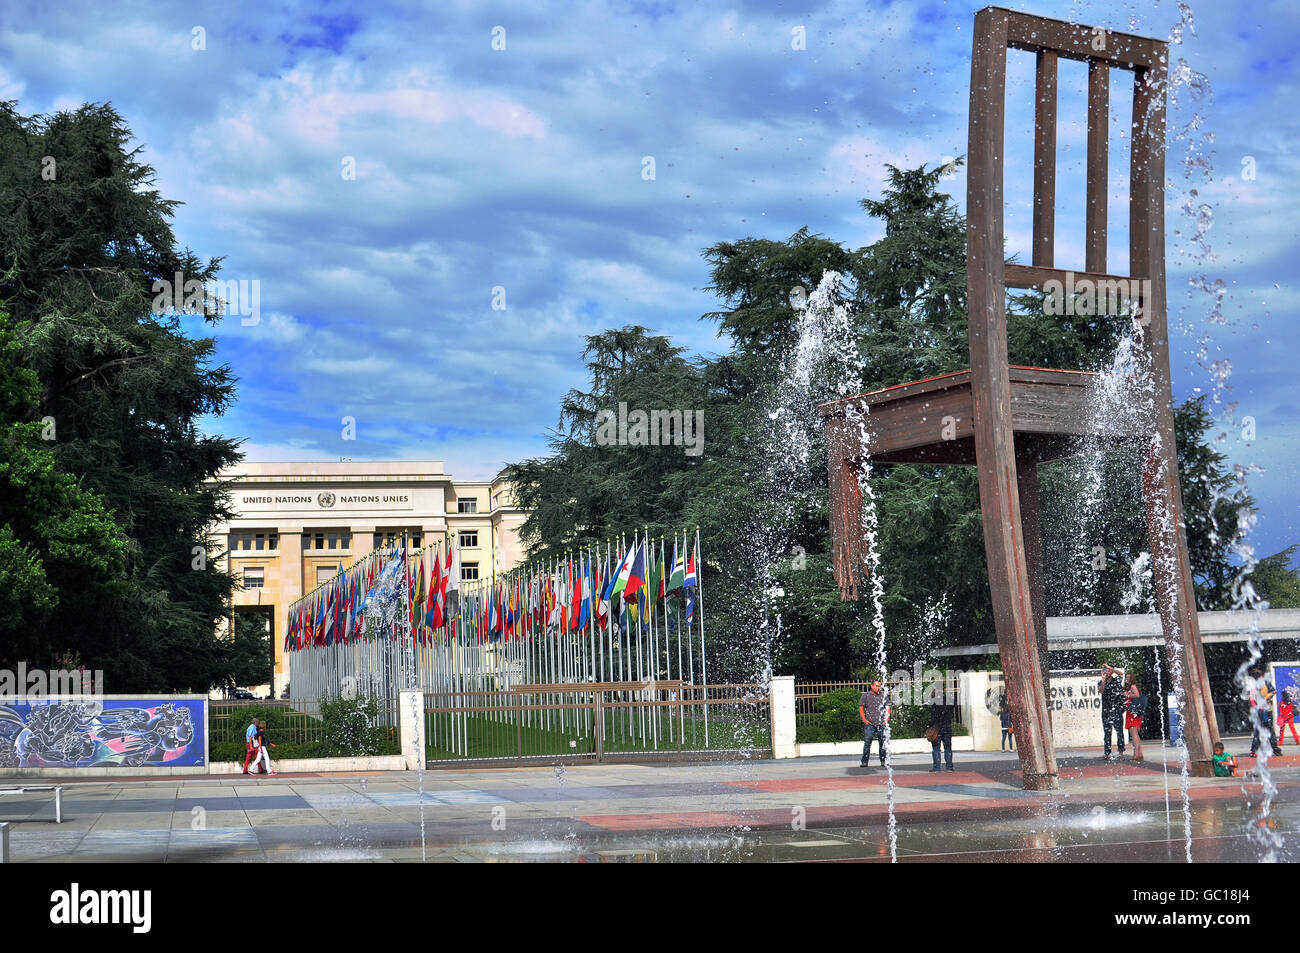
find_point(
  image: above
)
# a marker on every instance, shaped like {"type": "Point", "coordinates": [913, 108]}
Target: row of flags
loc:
{"type": "Point", "coordinates": [590, 590]}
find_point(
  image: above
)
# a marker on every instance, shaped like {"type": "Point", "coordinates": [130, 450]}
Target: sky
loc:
{"type": "Point", "coordinates": [387, 172]}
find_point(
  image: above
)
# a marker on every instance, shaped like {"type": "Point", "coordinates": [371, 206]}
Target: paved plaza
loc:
{"type": "Point", "coordinates": [808, 809]}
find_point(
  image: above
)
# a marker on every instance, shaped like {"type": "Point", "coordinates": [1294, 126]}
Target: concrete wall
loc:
{"type": "Point", "coordinates": [1074, 707]}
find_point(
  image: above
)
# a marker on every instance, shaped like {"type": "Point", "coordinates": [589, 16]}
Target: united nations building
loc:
{"type": "Point", "coordinates": [296, 524]}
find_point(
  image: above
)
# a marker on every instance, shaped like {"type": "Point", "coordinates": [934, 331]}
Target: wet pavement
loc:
{"type": "Point", "coordinates": [813, 809]}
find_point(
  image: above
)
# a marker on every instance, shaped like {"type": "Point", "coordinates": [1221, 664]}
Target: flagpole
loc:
{"type": "Point", "coordinates": [704, 662]}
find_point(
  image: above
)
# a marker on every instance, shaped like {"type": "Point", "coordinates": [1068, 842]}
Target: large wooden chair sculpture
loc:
{"type": "Point", "coordinates": [1006, 420]}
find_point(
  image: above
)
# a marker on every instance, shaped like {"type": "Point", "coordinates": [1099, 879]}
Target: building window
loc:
{"type": "Point", "coordinates": [254, 578]}
{"type": "Point", "coordinates": [467, 506]}
{"type": "Point", "coordinates": [338, 539]}
{"type": "Point", "coordinates": [468, 572]}
{"type": "Point", "coordinates": [248, 540]}
{"type": "Point", "coordinates": [325, 573]}
{"type": "Point", "coordinates": [469, 539]}
{"type": "Point", "coordinates": [386, 537]}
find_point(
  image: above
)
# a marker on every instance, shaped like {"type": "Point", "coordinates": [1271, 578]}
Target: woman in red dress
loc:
{"type": "Point", "coordinates": [1133, 719]}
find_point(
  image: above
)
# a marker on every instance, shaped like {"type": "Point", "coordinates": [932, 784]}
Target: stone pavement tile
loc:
{"type": "Point", "coordinates": [134, 821]}
{"type": "Point", "coordinates": [208, 803]}
{"type": "Point", "coordinates": [184, 820]}
{"type": "Point", "coordinates": [43, 846]}
{"type": "Point", "coordinates": [270, 802]}
{"type": "Point", "coordinates": [136, 845]}
{"type": "Point", "coordinates": [127, 792]}
{"type": "Point", "coordinates": [292, 817]}
{"type": "Point", "coordinates": [191, 844]}
{"type": "Point", "coordinates": [567, 793]}
{"type": "Point", "coordinates": [266, 788]}
{"type": "Point", "coordinates": [412, 798]}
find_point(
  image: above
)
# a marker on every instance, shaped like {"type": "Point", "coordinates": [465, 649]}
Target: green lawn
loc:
{"type": "Point", "coordinates": [488, 738]}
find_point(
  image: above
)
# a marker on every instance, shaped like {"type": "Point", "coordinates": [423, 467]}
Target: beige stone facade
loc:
{"type": "Point", "coordinates": [297, 523]}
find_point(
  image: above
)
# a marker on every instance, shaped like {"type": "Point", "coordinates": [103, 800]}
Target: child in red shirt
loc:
{"type": "Point", "coordinates": [1285, 718]}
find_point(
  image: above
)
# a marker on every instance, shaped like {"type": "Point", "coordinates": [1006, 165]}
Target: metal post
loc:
{"type": "Point", "coordinates": [600, 726]}
{"type": "Point", "coordinates": [4, 843]}
{"type": "Point", "coordinates": [519, 725]}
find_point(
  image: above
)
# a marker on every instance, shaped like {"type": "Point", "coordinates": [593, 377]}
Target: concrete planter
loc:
{"type": "Point", "coordinates": [899, 746]}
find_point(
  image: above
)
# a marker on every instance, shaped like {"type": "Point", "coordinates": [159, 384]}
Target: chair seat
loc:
{"type": "Point", "coordinates": [931, 421]}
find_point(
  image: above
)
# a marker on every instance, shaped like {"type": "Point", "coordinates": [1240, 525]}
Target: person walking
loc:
{"type": "Point", "coordinates": [1008, 733]}
{"type": "Point", "coordinates": [250, 745]}
{"type": "Point", "coordinates": [1135, 707]}
{"type": "Point", "coordinates": [264, 757]}
{"type": "Point", "coordinates": [940, 733]}
{"type": "Point", "coordinates": [1285, 718]}
{"type": "Point", "coordinates": [873, 709]}
{"type": "Point", "coordinates": [1111, 689]}
{"type": "Point", "coordinates": [1262, 719]}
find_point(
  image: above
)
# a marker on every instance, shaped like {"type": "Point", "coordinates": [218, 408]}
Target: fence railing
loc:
{"type": "Point", "coordinates": [807, 693]}
{"type": "Point", "coordinates": [595, 721]}
{"type": "Point", "coordinates": [295, 723]}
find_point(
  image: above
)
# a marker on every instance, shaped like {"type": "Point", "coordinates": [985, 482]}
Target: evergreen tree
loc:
{"type": "Point", "coordinates": [84, 237]}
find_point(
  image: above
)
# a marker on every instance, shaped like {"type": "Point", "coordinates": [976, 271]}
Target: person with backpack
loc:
{"type": "Point", "coordinates": [1261, 715]}
{"type": "Point", "coordinates": [1135, 710]}
{"type": "Point", "coordinates": [940, 732]}
{"type": "Point", "coordinates": [1008, 729]}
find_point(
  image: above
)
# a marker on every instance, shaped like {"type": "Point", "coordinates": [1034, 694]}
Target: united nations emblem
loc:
{"type": "Point", "coordinates": [325, 499]}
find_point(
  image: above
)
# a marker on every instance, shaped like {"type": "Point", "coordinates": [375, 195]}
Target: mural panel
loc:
{"type": "Point", "coordinates": [81, 733]}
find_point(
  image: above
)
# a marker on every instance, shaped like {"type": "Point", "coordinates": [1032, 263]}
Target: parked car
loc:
{"type": "Point", "coordinates": [241, 694]}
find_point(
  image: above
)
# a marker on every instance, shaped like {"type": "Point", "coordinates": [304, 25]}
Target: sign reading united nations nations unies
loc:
{"type": "Point", "coordinates": [326, 500]}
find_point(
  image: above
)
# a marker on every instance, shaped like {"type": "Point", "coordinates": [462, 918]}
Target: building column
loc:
{"type": "Point", "coordinates": [290, 590]}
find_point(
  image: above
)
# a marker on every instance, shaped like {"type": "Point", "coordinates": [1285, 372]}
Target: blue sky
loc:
{"type": "Point", "coordinates": [522, 168]}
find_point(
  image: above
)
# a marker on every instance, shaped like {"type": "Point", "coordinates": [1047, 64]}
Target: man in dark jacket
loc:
{"type": "Point", "coordinates": [941, 721]}
{"type": "Point", "coordinates": [1111, 689]}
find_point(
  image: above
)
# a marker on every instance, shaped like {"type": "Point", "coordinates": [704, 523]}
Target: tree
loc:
{"type": "Point", "coordinates": [84, 237]}
{"type": "Point", "coordinates": [1277, 581]}
{"type": "Point", "coordinates": [59, 546]}
{"type": "Point", "coordinates": [591, 488]}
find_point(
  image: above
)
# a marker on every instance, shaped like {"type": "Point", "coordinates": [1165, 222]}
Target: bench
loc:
{"type": "Point", "coordinates": [40, 788]}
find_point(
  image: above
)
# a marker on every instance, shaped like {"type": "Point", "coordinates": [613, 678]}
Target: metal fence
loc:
{"type": "Point", "coordinates": [293, 722]}
{"type": "Point", "coordinates": [596, 722]}
{"type": "Point", "coordinates": [807, 693]}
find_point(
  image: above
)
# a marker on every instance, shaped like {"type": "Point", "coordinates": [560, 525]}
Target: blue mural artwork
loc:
{"type": "Point", "coordinates": [77, 734]}
{"type": "Point", "coordinates": [1287, 680]}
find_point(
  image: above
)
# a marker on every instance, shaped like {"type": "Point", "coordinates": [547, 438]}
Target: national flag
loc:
{"type": "Point", "coordinates": [654, 579]}
{"type": "Point", "coordinates": [575, 603]}
{"type": "Point", "coordinates": [584, 608]}
{"type": "Point", "coordinates": [678, 575]}
{"type": "Point", "coordinates": [689, 587]}
{"type": "Point", "coordinates": [452, 581]}
{"type": "Point", "coordinates": [636, 574]}
{"type": "Point", "coordinates": [618, 581]}
{"type": "Point", "coordinates": [434, 596]}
